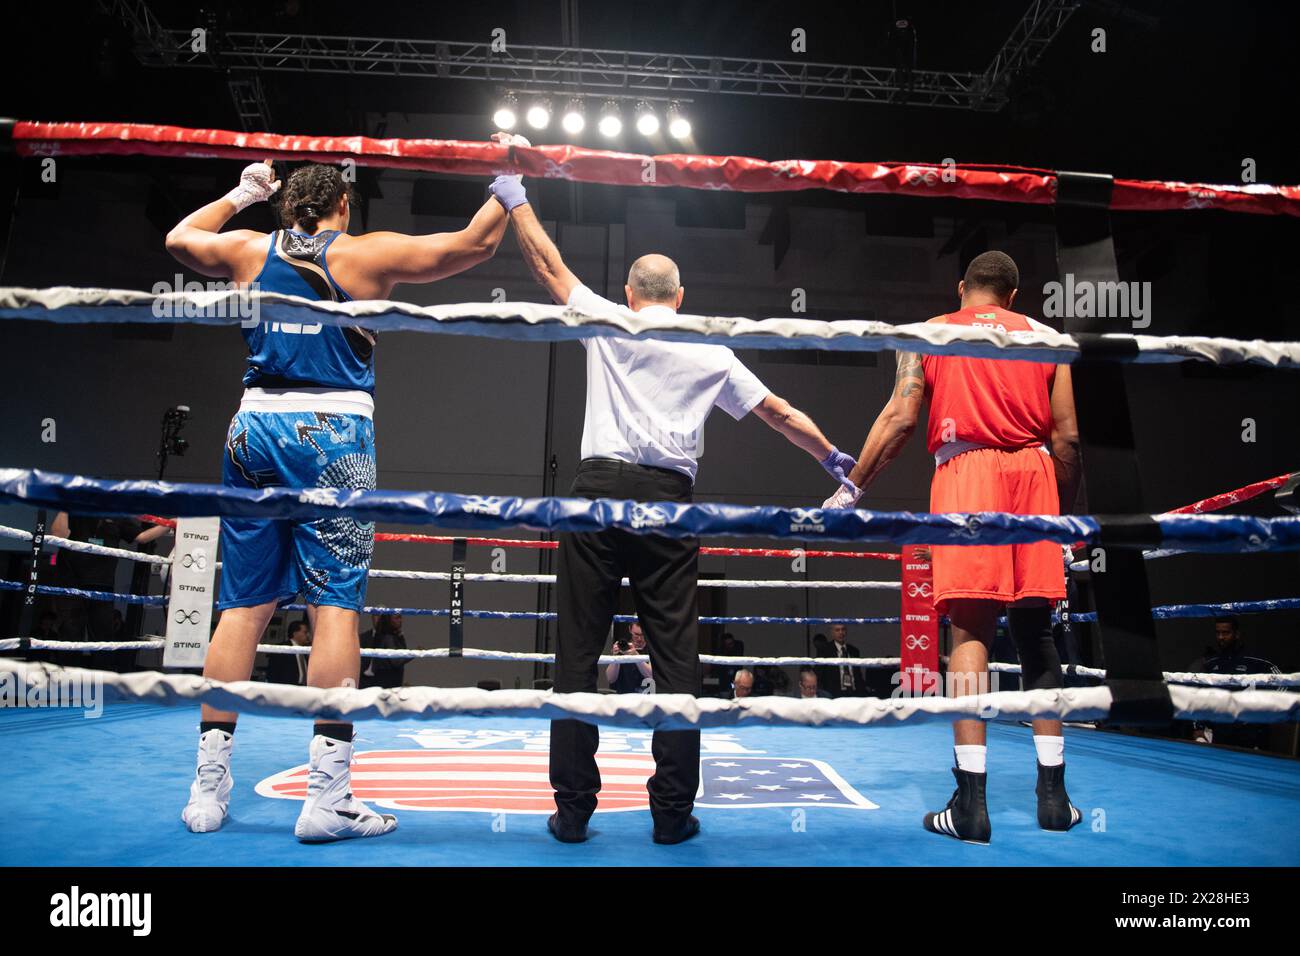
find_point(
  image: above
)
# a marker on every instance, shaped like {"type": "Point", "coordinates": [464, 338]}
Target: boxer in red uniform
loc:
{"type": "Point", "coordinates": [1004, 439]}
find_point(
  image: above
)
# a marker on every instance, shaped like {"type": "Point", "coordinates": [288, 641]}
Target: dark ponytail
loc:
{"type": "Point", "coordinates": [311, 193]}
{"type": "Point", "coordinates": [306, 215]}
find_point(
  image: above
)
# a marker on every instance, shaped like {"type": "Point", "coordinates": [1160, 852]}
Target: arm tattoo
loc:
{"type": "Point", "coordinates": [910, 378]}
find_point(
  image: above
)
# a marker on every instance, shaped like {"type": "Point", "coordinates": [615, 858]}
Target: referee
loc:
{"type": "Point", "coordinates": [646, 405]}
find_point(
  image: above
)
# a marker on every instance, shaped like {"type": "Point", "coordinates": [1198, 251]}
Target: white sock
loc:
{"type": "Point", "coordinates": [971, 757]}
{"type": "Point", "coordinates": [1051, 750]}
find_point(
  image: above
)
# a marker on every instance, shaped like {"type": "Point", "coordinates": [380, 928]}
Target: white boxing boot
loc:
{"type": "Point", "coordinates": [330, 811]}
{"type": "Point", "coordinates": [210, 791]}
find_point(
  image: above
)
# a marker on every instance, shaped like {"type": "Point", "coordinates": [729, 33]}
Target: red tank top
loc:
{"type": "Point", "coordinates": [997, 403]}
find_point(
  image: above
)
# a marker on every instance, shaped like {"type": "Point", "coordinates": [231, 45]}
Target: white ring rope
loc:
{"type": "Point", "coordinates": [532, 321]}
{"type": "Point", "coordinates": [149, 643]}
{"type": "Point", "coordinates": [493, 578]}
{"type": "Point", "coordinates": [85, 546]}
{"type": "Point", "coordinates": [469, 653]}
{"type": "Point", "coordinates": [1174, 677]}
{"type": "Point", "coordinates": [667, 711]}
{"type": "Point", "coordinates": [720, 660]}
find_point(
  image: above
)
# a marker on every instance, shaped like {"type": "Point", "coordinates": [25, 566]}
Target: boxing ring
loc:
{"type": "Point", "coordinates": [104, 793]}
{"type": "Point", "coordinates": [785, 782]}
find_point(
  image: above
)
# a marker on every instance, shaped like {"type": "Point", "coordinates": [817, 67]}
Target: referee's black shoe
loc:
{"type": "Point", "coordinates": [966, 817]}
{"type": "Point", "coordinates": [677, 832]}
{"type": "Point", "coordinates": [1055, 811]}
{"type": "Point", "coordinates": [566, 831]}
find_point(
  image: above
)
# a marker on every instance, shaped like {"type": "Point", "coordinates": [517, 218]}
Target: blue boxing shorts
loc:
{"type": "Point", "coordinates": [326, 560]}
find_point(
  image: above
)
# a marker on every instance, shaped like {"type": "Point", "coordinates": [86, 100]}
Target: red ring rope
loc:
{"type": "Point", "coordinates": [1218, 502]}
{"type": "Point", "coordinates": [578, 164]}
{"type": "Point", "coordinates": [706, 549]}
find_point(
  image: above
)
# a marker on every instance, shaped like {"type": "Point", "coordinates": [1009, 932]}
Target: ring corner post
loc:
{"type": "Point", "coordinates": [1086, 254]}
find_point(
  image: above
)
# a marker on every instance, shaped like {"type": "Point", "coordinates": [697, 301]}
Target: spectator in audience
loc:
{"type": "Point", "coordinates": [808, 685]}
{"type": "Point", "coordinates": [729, 646]}
{"type": "Point", "coordinates": [1228, 656]}
{"type": "Point", "coordinates": [770, 681]}
{"type": "Point", "coordinates": [291, 668]}
{"type": "Point", "coordinates": [632, 677]}
{"type": "Point", "coordinates": [742, 685]}
{"type": "Point", "coordinates": [841, 681]}
{"type": "Point", "coordinates": [385, 632]}
{"type": "Point", "coordinates": [83, 619]}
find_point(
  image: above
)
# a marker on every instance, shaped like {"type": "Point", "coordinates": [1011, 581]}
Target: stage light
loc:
{"type": "Point", "coordinates": [647, 124]}
{"type": "Point", "coordinates": [679, 127]}
{"type": "Point", "coordinates": [539, 114]}
{"type": "Point", "coordinates": [506, 114]}
{"type": "Point", "coordinates": [611, 120]}
{"type": "Point", "coordinates": [574, 117]}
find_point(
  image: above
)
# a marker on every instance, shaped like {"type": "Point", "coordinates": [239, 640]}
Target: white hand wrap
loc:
{"type": "Point", "coordinates": [255, 185]}
{"type": "Point", "coordinates": [841, 499]}
{"type": "Point", "coordinates": [514, 139]}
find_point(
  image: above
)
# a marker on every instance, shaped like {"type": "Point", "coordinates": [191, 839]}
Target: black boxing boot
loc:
{"type": "Point", "coordinates": [966, 817]}
{"type": "Point", "coordinates": [1055, 811]}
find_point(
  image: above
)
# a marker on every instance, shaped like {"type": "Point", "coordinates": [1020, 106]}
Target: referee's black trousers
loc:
{"type": "Point", "coordinates": [662, 572]}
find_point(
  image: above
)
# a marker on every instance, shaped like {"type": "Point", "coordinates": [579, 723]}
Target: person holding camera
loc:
{"type": "Point", "coordinates": [90, 619]}
{"type": "Point", "coordinates": [634, 677]}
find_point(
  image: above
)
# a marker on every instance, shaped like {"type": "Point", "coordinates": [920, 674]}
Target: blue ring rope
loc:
{"type": "Point", "coordinates": [1214, 533]}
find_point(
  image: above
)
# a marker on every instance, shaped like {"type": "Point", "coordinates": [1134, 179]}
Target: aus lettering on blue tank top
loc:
{"type": "Point", "coordinates": [299, 355]}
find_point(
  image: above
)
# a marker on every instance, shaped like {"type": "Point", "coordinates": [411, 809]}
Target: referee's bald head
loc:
{"type": "Point", "coordinates": [654, 280]}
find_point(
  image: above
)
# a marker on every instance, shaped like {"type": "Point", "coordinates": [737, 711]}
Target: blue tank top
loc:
{"type": "Point", "coordinates": [300, 354]}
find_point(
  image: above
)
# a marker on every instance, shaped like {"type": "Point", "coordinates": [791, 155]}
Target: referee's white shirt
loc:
{"type": "Point", "coordinates": [647, 399]}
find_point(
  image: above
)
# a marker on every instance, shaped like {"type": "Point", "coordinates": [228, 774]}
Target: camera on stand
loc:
{"type": "Point", "coordinates": [172, 443]}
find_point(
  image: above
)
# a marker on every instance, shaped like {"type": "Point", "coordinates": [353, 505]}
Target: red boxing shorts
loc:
{"type": "Point", "coordinates": [1018, 482]}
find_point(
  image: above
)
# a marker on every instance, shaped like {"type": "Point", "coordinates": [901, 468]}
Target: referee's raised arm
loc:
{"type": "Point", "coordinates": [540, 254]}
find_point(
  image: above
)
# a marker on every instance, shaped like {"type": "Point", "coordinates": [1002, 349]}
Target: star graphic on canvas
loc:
{"type": "Point", "coordinates": [803, 780]}
{"type": "Point", "coordinates": [769, 786]}
{"type": "Point", "coordinates": [761, 773]}
{"type": "Point", "coordinates": [721, 763]}
{"type": "Point", "coordinates": [791, 766]}
{"type": "Point", "coordinates": [729, 779]}
{"type": "Point", "coordinates": [813, 796]}
{"type": "Point", "coordinates": [733, 796]}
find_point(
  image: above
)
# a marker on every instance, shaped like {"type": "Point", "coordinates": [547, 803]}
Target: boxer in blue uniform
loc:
{"type": "Point", "coordinates": [306, 421]}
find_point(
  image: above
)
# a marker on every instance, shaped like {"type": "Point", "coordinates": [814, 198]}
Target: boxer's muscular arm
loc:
{"type": "Point", "coordinates": [542, 257]}
{"type": "Point", "coordinates": [396, 257]}
{"type": "Point", "coordinates": [794, 425]}
{"type": "Point", "coordinates": [895, 423]}
{"type": "Point", "coordinates": [198, 243]}
{"type": "Point", "coordinates": [1065, 439]}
